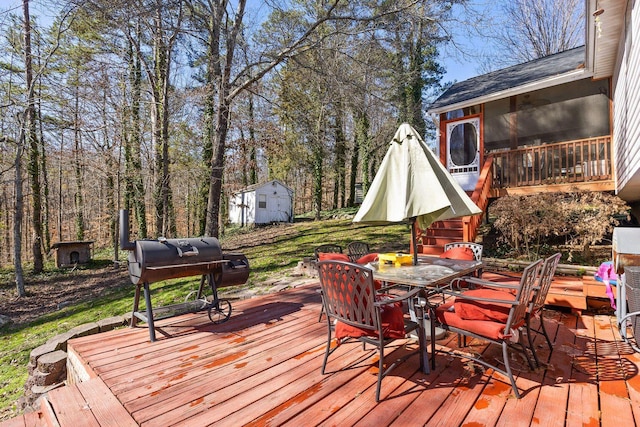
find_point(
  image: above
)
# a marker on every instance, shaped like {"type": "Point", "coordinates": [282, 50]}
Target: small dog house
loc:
{"type": "Point", "coordinates": [262, 204]}
{"type": "Point", "coordinates": [69, 254]}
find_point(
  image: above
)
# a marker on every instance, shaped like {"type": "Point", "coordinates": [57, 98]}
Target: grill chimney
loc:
{"type": "Point", "coordinates": [125, 244]}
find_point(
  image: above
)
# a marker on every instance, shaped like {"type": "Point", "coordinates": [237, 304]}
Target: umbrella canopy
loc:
{"type": "Point", "coordinates": [413, 186]}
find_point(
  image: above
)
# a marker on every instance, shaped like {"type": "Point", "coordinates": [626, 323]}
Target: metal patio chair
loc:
{"type": "Point", "coordinates": [490, 313]}
{"type": "Point", "coordinates": [475, 247]}
{"type": "Point", "coordinates": [536, 307]}
{"type": "Point", "coordinates": [357, 250]}
{"type": "Point", "coordinates": [350, 299]}
{"type": "Point", "coordinates": [328, 248]}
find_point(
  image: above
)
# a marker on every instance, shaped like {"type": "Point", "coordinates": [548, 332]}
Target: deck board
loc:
{"type": "Point", "coordinates": [262, 368]}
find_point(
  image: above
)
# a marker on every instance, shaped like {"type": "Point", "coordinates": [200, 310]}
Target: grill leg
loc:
{"type": "Point", "coordinates": [136, 304]}
{"type": "Point", "coordinates": [150, 324]}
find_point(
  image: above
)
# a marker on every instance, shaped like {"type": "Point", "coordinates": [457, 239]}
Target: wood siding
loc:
{"type": "Point", "coordinates": [626, 97]}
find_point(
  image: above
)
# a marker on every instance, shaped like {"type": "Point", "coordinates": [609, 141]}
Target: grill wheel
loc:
{"type": "Point", "coordinates": [220, 312]}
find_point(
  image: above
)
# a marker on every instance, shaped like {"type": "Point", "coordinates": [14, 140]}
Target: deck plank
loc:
{"type": "Point", "coordinates": [582, 406]}
{"type": "Point", "coordinates": [70, 407]}
{"type": "Point", "coordinates": [614, 398]}
{"type": "Point", "coordinates": [104, 405]}
{"type": "Point", "coordinates": [262, 368]}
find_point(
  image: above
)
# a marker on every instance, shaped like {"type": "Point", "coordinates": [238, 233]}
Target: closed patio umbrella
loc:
{"type": "Point", "coordinates": [413, 186]}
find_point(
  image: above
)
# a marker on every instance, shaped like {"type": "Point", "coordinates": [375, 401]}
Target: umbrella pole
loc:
{"type": "Point", "coordinates": [414, 241]}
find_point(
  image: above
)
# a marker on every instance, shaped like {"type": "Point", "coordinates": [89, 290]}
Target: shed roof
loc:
{"type": "Point", "coordinates": [254, 187]}
{"type": "Point", "coordinates": [72, 243]}
{"type": "Point", "coordinates": [542, 72]}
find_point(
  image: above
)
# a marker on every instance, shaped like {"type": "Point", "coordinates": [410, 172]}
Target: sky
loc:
{"type": "Point", "coordinates": [459, 62]}
{"type": "Point", "coordinates": [462, 59]}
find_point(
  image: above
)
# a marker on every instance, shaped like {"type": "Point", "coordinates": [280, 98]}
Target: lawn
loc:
{"type": "Point", "coordinates": [61, 299]}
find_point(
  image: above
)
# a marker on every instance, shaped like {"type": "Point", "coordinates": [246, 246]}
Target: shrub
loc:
{"type": "Point", "coordinates": [525, 222]}
{"type": "Point", "coordinates": [531, 223]}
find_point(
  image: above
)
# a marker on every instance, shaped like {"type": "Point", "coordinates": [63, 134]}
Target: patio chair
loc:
{"type": "Point", "coordinates": [536, 307]}
{"type": "Point", "coordinates": [547, 273]}
{"type": "Point", "coordinates": [357, 250]}
{"type": "Point", "coordinates": [476, 248]}
{"type": "Point", "coordinates": [350, 299]}
{"type": "Point", "coordinates": [328, 248]}
{"type": "Point", "coordinates": [490, 313]}
{"type": "Point", "coordinates": [321, 252]}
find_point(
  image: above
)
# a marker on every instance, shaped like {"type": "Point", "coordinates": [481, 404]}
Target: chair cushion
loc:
{"type": "Point", "coordinates": [366, 259]}
{"type": "Point", "coordinates": [447, 315]}
{"type": "Point", "coordinates": [459, 253]}
{"type": "Point", "coordinates": [392, 323]}
{"type": "Point", "coordinates": [480, 310]}
{"type": "Point", "coordinates": [331, 256]}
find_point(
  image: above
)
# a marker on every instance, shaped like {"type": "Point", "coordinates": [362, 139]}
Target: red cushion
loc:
{"type": "Point", "coordinates": [481, 310]}
{"type": "Point", "coordinates": [392, 324]}
{"type": "Point", "coordinates": [459, 253]}
{"type": "Point", "coordinates": [367, 258]}
{"type": "Point", "coordinates": [485, 328]}
{"type": "Point", "coordinates": [331, 256]}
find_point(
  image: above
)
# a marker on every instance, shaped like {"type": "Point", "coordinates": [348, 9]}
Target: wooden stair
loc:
{"type": "Point", "coordinates": [89, 403]}
{"type": "Point", "coordinates": [440, 233]}
{"type": "Point", "coordinates": [432, 240]}
{"type": "Point", "coordinates": [86, 404]}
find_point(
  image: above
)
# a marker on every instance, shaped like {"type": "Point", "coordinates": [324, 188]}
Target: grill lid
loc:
{"type": "Point", "coordinates": [155, 260]}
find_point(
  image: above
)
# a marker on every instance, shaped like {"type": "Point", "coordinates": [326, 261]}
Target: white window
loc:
{"type": "Point", "coordinates": [262, 201]}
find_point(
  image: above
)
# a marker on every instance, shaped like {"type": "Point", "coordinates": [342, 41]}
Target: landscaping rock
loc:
{"type": "Point", "coordinates": [45, 348]}
{"type": "Point", "coordinates": [54, 366]}
{"type": "Point", "coordinates": [4, 320]}
{"type": "Point", "coordinates": [84, 330]}
{"type": "Point", "coordinates": [60, 340]}
{"type": "Point", "coordinates": [111, 323]}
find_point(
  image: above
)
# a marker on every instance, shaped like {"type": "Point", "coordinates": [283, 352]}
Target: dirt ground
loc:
{"type": "Point", "coordinates": [48, 295]}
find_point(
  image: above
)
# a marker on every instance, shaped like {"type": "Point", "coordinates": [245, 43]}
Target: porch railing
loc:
{"type": "Point", "coordinates": [582, 160]}
{"type": "Point", "coordinates": [480, 197]}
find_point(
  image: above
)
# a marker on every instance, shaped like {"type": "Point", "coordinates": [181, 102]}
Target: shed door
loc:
{"type": "Point", "coordinates": [463, 151]}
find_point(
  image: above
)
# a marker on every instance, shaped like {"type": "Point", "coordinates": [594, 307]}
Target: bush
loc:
{"type": "Point", "coordinates": [534, 223]}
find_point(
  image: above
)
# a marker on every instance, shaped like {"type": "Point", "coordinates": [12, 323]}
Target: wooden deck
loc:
{"type": "Point", "coordinates": [262, 368]}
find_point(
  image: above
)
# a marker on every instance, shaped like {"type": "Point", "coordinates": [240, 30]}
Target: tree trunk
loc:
{"type": "Point", "coordinates": [34, 149]}
{"type": "Point", "coordinates": [217, 168]}
{"type": "Point", "coordinates": [318, 159]}
{"type": "Point", "coordinates": [135, 162]}
{"type": "Point", "coordinates": [223, 76]}
{"type": "Point", "coordinates": [340, 159]}
{"type": "Point", "coordinates": [77, 165]}
{"type": "Point", "coordinates": [160, 81]}
{"type": "Point", "coordinates": [363, 143]}
{"type": "Point", "coordinates": [17, 217]}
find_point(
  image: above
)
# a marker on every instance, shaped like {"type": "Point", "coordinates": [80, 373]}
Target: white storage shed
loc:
{"type": "Point", "coordinates": [262, 204]}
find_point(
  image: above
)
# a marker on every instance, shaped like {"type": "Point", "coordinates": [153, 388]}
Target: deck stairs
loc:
{"type": "Point", "coordinates": [432, 240]}
{"type": "Point", "coordinates": [85, 404]}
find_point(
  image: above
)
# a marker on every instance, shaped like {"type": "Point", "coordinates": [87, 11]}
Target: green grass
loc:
{"type": "Point", "coordinates": [272, 257]}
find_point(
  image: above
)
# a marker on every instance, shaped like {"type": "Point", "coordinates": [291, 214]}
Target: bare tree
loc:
{"type": "Point", "coordinates": [533, 29]}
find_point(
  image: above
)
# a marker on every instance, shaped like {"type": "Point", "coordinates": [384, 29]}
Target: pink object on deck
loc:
{"type": "Point", "coordinates": [607, 274]}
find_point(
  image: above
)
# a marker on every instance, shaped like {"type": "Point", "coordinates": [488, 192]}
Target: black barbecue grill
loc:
{"type": "Point", "coordinates": [153, 261]}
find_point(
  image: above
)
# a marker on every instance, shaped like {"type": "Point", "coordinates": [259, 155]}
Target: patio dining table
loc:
{"type": "Point", "coordinates": [428, 274]}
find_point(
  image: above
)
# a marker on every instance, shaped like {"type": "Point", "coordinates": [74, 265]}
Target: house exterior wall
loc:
{"type": "Point", "coordinates": [571, 111]}
{"type": "Point", "coordinates": [626, 101]}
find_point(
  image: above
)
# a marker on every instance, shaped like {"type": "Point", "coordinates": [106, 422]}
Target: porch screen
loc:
{"type": "Point", "coordinates": [463, 144]}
